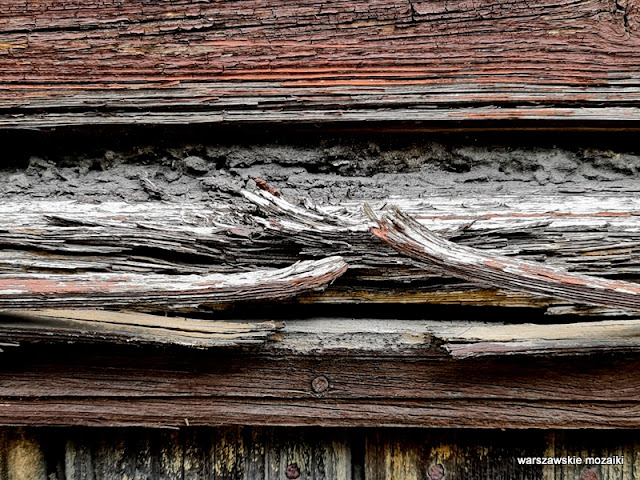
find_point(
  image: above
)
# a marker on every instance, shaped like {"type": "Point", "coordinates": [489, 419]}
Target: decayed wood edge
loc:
{"type": "Point", "coordinates": [460, 339]}
{"type": "Point", "coordinates": [475, 339]}
{"type": "Point", "coordinates": [99, 326]}
{"type": "Point", "coordinates": [596, 234]}
{"type": "Point", "coordinates": [578, 115]}
{"type": "Point", "coordinates": [435, 253]}
{"type": "Point", "coordinates": [323, 336]}
{"type": "Point", "coordinates": [166, 292]}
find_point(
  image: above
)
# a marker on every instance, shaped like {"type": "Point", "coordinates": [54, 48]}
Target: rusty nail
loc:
{"type": "Point", "coordinates": [589, 474]}
{"type": "Point", "coordinates": [436, 472]}
{"type": "Point", "coordinates": [293, 471]}
{"type": "Point", "coordinates": [320, 384]}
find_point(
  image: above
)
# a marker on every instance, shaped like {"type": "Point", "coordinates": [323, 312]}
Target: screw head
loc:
{"type": "Point", "coordinates": [320, 384]}
{"type": "Point", "coordinates": [292, 471]}
{"type": "Point", "coordinates": [436, 472]}
{"type": "Point", "coordinates": [589, 474]}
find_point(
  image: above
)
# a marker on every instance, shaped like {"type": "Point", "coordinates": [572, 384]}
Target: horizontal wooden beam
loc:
{"type": "Point", "coordinates": [591, 234]}
{"type": "Point", "coordinates": [323, 335]}
{"type": "Point", "coordinates": [311, 386]}
{"type": "Point", "coordinates": [191, 62]}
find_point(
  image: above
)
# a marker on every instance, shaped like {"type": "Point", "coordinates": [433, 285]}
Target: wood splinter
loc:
{"type": "Point", "coordinates": [164, 292]}
{"type": "Point", "coordinates": [432, 252]}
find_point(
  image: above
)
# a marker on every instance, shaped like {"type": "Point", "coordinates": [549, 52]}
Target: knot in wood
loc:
{"type": "Point", "coordinates": [320, 384]}
{"type": "Point", "coordinates": [436, 472]}
{"type": "Point", "coordinates": [292, 471]}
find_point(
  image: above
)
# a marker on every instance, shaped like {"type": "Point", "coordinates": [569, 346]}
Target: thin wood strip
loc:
{"type": "Point", "coordinates": [433, 252]}
{"type": "Point", "coordinates": [176, 412]}
{"type": "Point", "coordinates": [173, 292]}
{"type": "Point", "coordinates": [99, 326]}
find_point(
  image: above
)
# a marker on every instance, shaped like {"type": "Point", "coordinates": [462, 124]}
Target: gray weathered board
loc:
{"type": "Point", "coordinates": [245, 453]}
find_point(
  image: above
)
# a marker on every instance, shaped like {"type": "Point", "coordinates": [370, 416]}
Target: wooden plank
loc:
{"type": "Point", "coordinates": [192, 62]}
{"type": "Point", "coordinates": [21, 456]}
{"type": "Point", "coordinates": [434, 414]}
{"type": "Point", "coordinates": [164, 292]}
{"type": "Point", "coordinates": [143, 387]}
{"type": "Point", "coordinates": [594, 234]}
{"type": "Point", "coordinates": [325, 336]}
{"type": "Point", "coordinates": [468, 339]}
{"type": "Point", "coordinates": [99, 326]}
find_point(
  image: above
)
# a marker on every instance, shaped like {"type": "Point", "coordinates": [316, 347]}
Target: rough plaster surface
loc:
{"type": "Point", "coordinates": [325, 169]}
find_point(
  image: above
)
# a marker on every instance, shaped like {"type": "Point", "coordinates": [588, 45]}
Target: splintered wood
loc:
{"type": "Point", "coordinates": [97, 326]}
{"type": "Point", "coordinates": [164, 292]}
{"type": "Point", "coordinates": [510, 251]}
{"type": "Point", "coordinates": [435, 253]}
{"type": "Point", "coordinates": [113, 62]}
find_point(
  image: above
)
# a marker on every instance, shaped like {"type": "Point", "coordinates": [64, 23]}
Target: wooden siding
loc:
{"type": "Point", "coordinates": [346, 378]}
{"type": "Point", "coordinates": [249, 453]}
{"type": "Point", "coordinates": [189, 61]}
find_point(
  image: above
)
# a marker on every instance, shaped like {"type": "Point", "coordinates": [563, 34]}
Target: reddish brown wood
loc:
{"type": "Point", "coordinates": [160, 389]}
{"type": "Point", "coordinates": [463, 414]}
{"type": "Point", "coordinates": [189, 61]}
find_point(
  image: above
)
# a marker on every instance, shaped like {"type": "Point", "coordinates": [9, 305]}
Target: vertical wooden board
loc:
{"type": "Point", "coordinates": [3, 454]}
{"type": "Point", "coordinates": [405, 454]}
{"type": "Point", "coordinates": [78, 459]}
{"type": "Point", "coordinates": [629, 459]}
{"type": "Point", "coordinates": [167, 455]}
{"type": "Point", "coordinates": [287, 448]}
{"type": "Point", "coordinates": [23, 458]}
{"type": "Point", "coordinates": [549, 471]}
{"type": "Point", "coordinates": [636, 458]}
{"type": "Point", "coordinates": [337, 454]}
{"type": "Point", "coordinates": [395, 454]}
{"type": "Point", "coordinates": [254, 459]}
{"type": "Point", "coordinates": [596, 444]}
{"type": "Point", "coordinates": [110, 458]}
{"type": "Point", "coordinates": [317, 454]}
{"type": "Point", "coordinates": [228, 454]}
{"type": "Point", "coordinates": [198, 453]}
{"type": "Point", "coordinates": [140, 445]}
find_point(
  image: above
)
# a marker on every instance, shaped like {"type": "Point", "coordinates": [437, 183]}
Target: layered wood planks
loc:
{"type": "Point", "coordinates": [317, 373]}
{"type": "Point", "coordinates": [190, 61]}
{"type": "Point", "coordinates": [156, 242]}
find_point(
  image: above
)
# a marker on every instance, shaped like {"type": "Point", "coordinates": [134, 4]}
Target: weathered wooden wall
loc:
{"type": "Point", "coordinates": [245, 453]}
{"type": "Point", "coordinates": [356, 359]}
{"type": "Point", "coordinates": [321, 372]}
{"type": "Point", "coordinates": [189, 61]}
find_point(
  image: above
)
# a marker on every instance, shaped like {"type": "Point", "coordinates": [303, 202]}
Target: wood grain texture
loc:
{"type": "Point", "coordinates": [323, 336]}
{"type": "Point", "coordinates": [164, 292]}
{"type": "Point", "coordinates": [189, 61]}
{"type": "Point", "coordinates": [436, 253]}
{"type": "Point", "coordinates": [99, 326]}
{"type": "Point", "coordinates": [40, 386]}
{"type": "Point", "coordinates": [591, 234]}
{"type": "Point", "coordinates": [263, 453]}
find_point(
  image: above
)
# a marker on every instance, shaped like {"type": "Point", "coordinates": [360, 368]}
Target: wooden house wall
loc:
{"type": "Point", "coordinates": [253, 453]}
